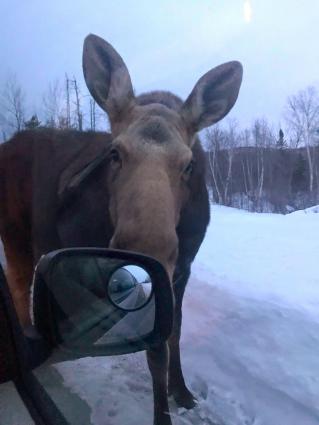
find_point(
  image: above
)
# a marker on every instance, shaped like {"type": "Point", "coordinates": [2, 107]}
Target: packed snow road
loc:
{"type": "Point", "coordinates": [248, 362]}
{"type": "Point", "coordinates": [250, 336]}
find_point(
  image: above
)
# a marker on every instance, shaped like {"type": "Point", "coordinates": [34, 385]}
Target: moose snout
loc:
{"type": "Point", "coordinates": [163, 246]}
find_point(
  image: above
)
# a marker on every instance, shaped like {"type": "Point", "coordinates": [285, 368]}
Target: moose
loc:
{"type": "Point", "coordinates": [140, 187]}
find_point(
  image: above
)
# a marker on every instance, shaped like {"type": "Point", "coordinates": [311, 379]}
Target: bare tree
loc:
{"type": "Point", "coordinates": [13, 103]}
{"type": "Point", "coordinates": [52, 103]}
{"type": "Point", "coordinates": [246, 163]}
{"type": "Point", "coordinates": [263, 139]}
{"type": "Point", "coordinates": [230, 143]}
{"type": "Point", "coordinates": [92, 114]}
{"type": "Point", "coordinates": [214, 137]}
{"type": "Point", "coordinates": [302, 117]}
{"type": "Point", "coordinates": [255, 170]}
{"type": "Point", "coordinates": [3, 124]}
{"type": "Point", "coordinates": [222, 144]}
{"type": "Point", "coordinates": [65, 107]}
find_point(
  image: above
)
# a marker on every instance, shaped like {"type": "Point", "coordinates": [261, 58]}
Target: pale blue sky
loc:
{"type": "Point", "coordinates": [168, 44]}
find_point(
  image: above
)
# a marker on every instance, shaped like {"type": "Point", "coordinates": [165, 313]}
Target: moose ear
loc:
{"type": "Point", "coordinates": [106, 76]}
{"type": "Point", "coordinates": [213, 96]}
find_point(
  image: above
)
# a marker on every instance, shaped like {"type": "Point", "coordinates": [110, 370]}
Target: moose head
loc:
{"type": "Point", "coordinates": [152, 160]}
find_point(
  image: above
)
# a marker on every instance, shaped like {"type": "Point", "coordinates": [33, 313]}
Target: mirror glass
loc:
{"type": "Point", "coordinates": [130, 287]}
{"type": "Point", "coordinates": [100, 301]}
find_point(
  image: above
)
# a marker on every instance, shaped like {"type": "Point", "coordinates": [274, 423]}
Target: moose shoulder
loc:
{"type": "Point", "coordinates": [140, 188]}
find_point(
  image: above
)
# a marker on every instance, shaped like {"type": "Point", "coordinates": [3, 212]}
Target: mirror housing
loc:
{"type": "Point", "coordinates": [73, 310]}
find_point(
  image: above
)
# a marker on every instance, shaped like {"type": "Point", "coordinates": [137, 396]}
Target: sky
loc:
{"type": "Point", "coordinates": [168, 45]}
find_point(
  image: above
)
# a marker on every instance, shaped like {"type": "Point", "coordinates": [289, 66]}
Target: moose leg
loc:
{"type": "Point", "coordinates": [19, 273]}
{"type": "Point", "coordinates": [157, 359]}
{"type": "Point", "coordinates": [177, 387]}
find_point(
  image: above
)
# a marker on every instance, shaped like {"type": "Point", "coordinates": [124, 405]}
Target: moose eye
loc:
{"type": "Point", "coordinates": [189, 169]}
{"type": "Point", "coordinates": [115, 156]}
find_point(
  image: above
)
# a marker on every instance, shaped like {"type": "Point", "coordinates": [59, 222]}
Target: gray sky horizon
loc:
{"type": "Point", "coordinates": [169, 46]}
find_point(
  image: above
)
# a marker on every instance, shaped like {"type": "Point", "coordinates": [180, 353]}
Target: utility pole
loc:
{"type": "Point", "coordinates": [68, 110]}
{"type": "Point", "coordinates": [78, 106]}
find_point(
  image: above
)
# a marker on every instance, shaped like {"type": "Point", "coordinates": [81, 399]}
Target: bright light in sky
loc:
{"type": "Point", "coordinates": [248, 11]}
{"type": "Point", "coordinates": [169, 54]}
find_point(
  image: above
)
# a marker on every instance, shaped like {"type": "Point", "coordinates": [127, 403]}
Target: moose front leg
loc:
{"type": "Point", "coordinates": [157, 359]}
{"type": "Point", "coordinates": [177, 387]}
{"type": "Point", "coordinates": [19, 275]}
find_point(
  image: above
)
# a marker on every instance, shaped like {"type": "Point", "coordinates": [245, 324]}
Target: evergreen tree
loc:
{"type": "Point", "coordinates": [32, 123]}
{"type": "Point", "coordinates": [281, 142]}
{"type": "Point", "coordinates": [299, 175]}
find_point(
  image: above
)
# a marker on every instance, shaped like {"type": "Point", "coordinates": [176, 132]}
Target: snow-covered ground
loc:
{"type": "Point", "coordinates": [250, 337]}
{"type": "Point", "coordinates": [264, 256]}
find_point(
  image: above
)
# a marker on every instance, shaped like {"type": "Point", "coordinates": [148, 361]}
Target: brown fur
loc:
{"type": "Point", "coordinates": [141, 188]}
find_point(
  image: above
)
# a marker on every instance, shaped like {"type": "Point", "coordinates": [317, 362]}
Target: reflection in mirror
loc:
{"type": "Point", "coordinates": [100, 301]}
{"type": "Point", "coordinates": [130, 287]}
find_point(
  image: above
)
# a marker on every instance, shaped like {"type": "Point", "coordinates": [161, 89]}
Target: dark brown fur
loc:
{"type": "Point", "coordinates": [66, 189]}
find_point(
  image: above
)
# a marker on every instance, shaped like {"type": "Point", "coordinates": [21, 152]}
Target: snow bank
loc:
{"type": "Point", "coordinates": [268, 256]}
{"type": "Point", "coordinates": [314, 209]}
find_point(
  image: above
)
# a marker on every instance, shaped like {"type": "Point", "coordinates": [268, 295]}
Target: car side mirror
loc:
{"type": "Point", "coordinates": [95, 302]}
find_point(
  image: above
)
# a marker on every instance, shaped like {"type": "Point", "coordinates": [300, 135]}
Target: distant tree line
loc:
{"type": "Point", "coordinates": [258, 168]}
{"type": "Point", "coordinates": [262, 170]}
{"type": "Point", "coordinates": [64, 105]}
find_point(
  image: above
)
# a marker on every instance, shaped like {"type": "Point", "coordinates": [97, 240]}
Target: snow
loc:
{"type": "Point", "coordinates": [265, 256]}
{"type": "Point", "coordinates": [311, 210]}
{"type": "Point", "coordinates": [250, 334]}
